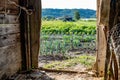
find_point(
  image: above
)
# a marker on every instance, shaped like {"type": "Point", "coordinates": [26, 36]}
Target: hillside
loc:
{"type": "Point", "coordinates": [84, 13]}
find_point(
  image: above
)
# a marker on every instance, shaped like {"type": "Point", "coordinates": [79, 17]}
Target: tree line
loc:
{"type": "Point", "coordinates": [74, 13]}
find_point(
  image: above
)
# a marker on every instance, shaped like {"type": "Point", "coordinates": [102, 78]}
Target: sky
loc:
{"type": "Point", "coordinates": [69, 4]}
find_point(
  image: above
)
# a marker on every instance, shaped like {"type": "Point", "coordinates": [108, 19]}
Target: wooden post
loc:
{"type": "Point", "coordinates": [30, 32]}
{"type": "Point", "coordinates": [34, 25]}
{"type": "Point", "coordinates": [107, 17]}
{"type": "Point", "coordinates": [103, 12]}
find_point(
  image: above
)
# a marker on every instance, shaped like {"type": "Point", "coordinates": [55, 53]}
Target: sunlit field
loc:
{"type": "Point", "coordinates": [59, 37]}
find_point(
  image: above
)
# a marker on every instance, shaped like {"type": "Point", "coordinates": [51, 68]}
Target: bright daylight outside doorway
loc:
{"type": "Point", "coordinates": [68, 39]}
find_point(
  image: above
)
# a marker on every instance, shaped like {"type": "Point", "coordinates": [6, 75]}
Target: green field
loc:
{"type": "Point", "coordinates": [77, 28]}
{"type": "Point", "coordinates": [58, 37]}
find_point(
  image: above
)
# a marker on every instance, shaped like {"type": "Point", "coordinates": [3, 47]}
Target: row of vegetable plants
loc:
{"type": "Point", "coordinates": [59, 37]}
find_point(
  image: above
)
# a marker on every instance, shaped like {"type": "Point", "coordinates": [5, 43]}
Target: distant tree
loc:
{"type": "Point", "coordinates": [84, 13]}
{"type": "Point", "coordinates": [76, 15]}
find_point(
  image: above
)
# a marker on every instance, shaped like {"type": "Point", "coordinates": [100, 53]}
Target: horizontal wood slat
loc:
{"type": "Point", "coordinates": [10, 45]}
{"type": "Point", "coordinates": [9, 29]}
{"type": "Point", "coordinates": [7, 4]}
{"type": "Point", "coordinates": [10, 58]}
{"type": "Point", "coordinates": [10, 11]}
{"type": "Point", "coordinates": [9, 19]}
{"type": "Point", "coordinates": [9, 39]}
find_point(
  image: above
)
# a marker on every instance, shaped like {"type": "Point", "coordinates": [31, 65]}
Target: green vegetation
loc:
{"type": "Point", "coordinates": [84, 13]}
{"type": "Point", "coordinates": [58, 37]}
{"type": "Point", "coordinates": [77, 15]}
{"type": "Point", "coordinates": [83, 59]}
{"type": "Point", "coordinates": [61, 44]}
{"type": "Point", "coordinates": [68, 28]}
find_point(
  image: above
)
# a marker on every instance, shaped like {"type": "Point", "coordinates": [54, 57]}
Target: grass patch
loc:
{"type": "Point", "coordinates": [83, 59]}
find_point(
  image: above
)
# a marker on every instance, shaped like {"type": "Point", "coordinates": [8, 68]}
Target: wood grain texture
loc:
{"type": "Point", "coordinates": [10, 60]}
{"type": "Point", "coordinates": [9, 29]}
{"type": "Point", "coordinates": [31, 25]}
{"type": "Point", "coordinates": [6, 6]}
{"type": "Point", "coordinates": [102, 27]}
{"type": "Point", "coordinates": [9, 39]}
{"type": "Point", "coordinates": [107, 17]}
{"type": "Point", "coordinates": [35, 27]}
{"type": "Point", "coordinates": [10, 45]}
{"type": "Point", "coordinates": [9, 19]}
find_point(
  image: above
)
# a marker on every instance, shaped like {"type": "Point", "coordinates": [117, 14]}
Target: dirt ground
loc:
{"type": "Point", "coordinates": [40, 75]}
{"type": "Point", "coordinates": [45, 75]}
{"type": "Point", "coordinates": [68, 76]}
{"type": "Point", "coordinates": [74, 76]}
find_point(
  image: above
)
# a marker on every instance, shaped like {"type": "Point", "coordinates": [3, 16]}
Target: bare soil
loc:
{"type": "Point", "coordinates": [44, 75]}
{"type": "Point", "coordinates": [74, 76]}
{"type": "Point", "coordinates": [68, 76]}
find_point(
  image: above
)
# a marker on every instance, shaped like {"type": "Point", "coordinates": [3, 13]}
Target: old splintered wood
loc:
{"type": "Point", "coordinates": [35, 22]}
{"type": "Point", "coordinates": [10, 59]}
{"type": "Point", "coordinates": [9, 51]}
{"type": "Point", "coordinates": [9, 34]}
{"type": "Point", "coordinates": [102, 26]}
{"type": "Point", "coordinates": [9, 29]}
{"type": "Point", "coordinates": [9, 19]}
{"type": "Point", "coordinates": [6, 4]}
{"type": "Point", "coordinates": [9, 39]}
{"type": "Point", "coordinates": [10, 46]}
{"type": "Point", "coordinates": [64, 71]}
{"type": "Point", "coordinates": [31, 26]}
{"type": "Point", "coordinates": [9, 7]}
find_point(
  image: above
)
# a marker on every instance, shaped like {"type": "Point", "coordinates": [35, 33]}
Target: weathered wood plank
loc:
{"type": "Point", "coordinates": [9, 7]}
{"type": "Point", "coordinates": [10, 45]}
{"type": "Point", "coordinates": [9, 29]}
{"type": "Point", "coordinates": [102, 26]}
{"type": "Point", "coordinates": [6, 4]}
{"type": "Point", "coordinates": [10, 11]}
{"type": "Point", "coordinates": [31, 25]}
{"type": "Point", "coordinates": [10, 59]}
{"type": "Point", "coordinates": [9, 19]}
{"type": "Point", "coordinates": [7, 51]}
{"type": "Point", "coordinates": [23, 35]}
{"type": "Point", "coordinates": [35, 26]}
{"type": "Point", "coordinates": [9, 39]}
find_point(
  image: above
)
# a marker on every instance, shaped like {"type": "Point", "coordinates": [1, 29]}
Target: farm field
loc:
{"type": "Point", "coordinates": [79, 27]}
{"type": "Point", "coordinates": [67, 40]}
{"type": "Point", "coordinates": [58, 37]}
{"type": "Point", "coordinates": [68, 46]}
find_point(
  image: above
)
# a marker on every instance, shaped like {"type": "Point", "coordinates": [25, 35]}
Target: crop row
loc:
{"type": "Point", "coordinates": [61, 44]}
{"type": "Point", "coordinates": [77, 28]}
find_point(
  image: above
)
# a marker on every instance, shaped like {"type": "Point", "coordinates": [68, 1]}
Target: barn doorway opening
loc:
{"type": "Point", "coordinates": [67, 38]}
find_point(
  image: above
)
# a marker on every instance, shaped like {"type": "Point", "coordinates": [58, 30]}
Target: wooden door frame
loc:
{"type": "Point", "coordinates": [107, 17]}
{"type": "Point", "coordinates": [30, 33]}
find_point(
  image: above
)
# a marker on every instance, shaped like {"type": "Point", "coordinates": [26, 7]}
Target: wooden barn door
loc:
{"type": "Point", "coordinates": [30, 32]}
{"type": "Point", "coordinates": [20, 22]}
{"type": "Point", "coordinates": [10, 45]}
